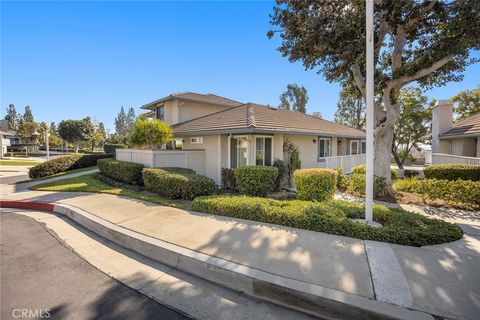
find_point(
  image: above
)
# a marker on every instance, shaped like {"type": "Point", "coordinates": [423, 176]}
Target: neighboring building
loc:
{"type": "Point", "coordinates": [5, 135]}
{"type": "Point", "coordinates": [461, 138]}
{"type": "Point", "coordinates": [233, 134]}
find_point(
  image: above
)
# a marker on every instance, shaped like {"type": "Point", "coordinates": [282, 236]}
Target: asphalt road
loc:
{"type": "Point", "coordinates": [42, 277]}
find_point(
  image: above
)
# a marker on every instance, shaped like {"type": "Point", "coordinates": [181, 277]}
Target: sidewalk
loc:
{"type": "Point", "coordinates": [441, 280]}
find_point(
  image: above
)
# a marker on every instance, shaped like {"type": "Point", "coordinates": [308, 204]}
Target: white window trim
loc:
{"type": "Point", "coordinates": [255, 149]}
{"type": "Point", "coordinates": [247, 149]}
{"type": "Point", "coordinates": [358, 147]}
{"type": "Point", "coordinates": [199, 140]}
{"type": "Point", "coordinates": [330, 146]}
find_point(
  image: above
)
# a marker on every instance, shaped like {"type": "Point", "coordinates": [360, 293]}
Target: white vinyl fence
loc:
{"type": "Point", "coordinates": [439, 158]}
{"type": "Point", "coordinates": [344, 162]}
{"type": "Point", "coordinates": [193, 159]}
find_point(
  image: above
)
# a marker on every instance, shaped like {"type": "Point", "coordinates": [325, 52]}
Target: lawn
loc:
{"type": "Point", "coordinates": [19, 162]}
{"type": "Point", "coordinates": [88, 183]}
{"type": "Point", "coordinates": [64, 173]}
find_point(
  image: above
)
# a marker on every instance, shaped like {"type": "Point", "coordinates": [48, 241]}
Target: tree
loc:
{"type": "Point", "coordinates": [12, 117]}
{"type": "Point", "coordinates": [350, 107]}
{"type": "Point", "coordinates": [467, 103]}
{"type": "Point", "coordinates": [121, 126]}
{"type": "Point", "coordinates": [53, 128]}
{"type": "Point", "coordinates": [90, 129]}
{"type": "Point", "coordinates": [74, 131]}
{"type": "Point", "coordinates": [26, 130]}
{"type": "Point", "coordinates": [28, 115]}
{"type": "Point", "coordinates": [150, 134]}
{"type": "Point", "coordinates": [131, 118]}
{"type": "Point", "coordinates": [427, 42]}
{"type": "Point", "coordinates": [414, 123]}
{"type": "Point", "coordinates": [294, 98]}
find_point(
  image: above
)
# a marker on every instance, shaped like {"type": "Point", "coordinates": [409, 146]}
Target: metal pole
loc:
{"type": "Point", "coordinates": [370, 112]}
{"type": "Point", "coordinates": [47, 133]}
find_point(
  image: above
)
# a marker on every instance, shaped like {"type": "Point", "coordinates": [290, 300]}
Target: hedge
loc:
{"type": "Point", "coordinates": [465, 192]}
{"type": "Point", "coordinates": [110, 148]}
{"type": "Point", "coordinates": [315, 184]}
{"type": "Point", "coordinates": [255, 180]}
{"type": "Point", "coordinates": [362, 169]}
{"type": "Point", "coordinates": [177, 183]}
{"type": "Point", "coordinates": [335, 217]}
{"type": "Point", "coordinates": [356, 184]}
{"type": "Point", "coordinates": [127, 172]}
{"type": "Point", "coordinates": [452, 172]}
{"type": "Point", "coordinates": [65, 163]}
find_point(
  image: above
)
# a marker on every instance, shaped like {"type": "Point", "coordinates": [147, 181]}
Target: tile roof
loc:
{"type": "Point", "coordinates": [469, 126]}
{"type": "Point", "coordinates": [208, 98]}
{"type": "Point", "coordinates": [252, 117]}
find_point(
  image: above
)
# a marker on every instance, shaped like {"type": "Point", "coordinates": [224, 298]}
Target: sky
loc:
{"type": "Point", "coordinates": [69, 60]}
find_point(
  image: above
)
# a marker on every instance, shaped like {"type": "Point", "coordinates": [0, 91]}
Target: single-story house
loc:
{"type": "Point", "coordinates": [5, 136]}
{"type": "Point", "coordinates": [212, 132]}
{"type": "Point", "coordinates": [460, 138]}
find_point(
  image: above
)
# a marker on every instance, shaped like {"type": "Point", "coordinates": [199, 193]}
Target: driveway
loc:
{"type": "Point", "coordinates": [41, 276]}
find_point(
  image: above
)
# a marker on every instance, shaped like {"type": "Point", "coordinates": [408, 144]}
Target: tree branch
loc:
{"type": "Point", "coordinates": [358, 77]}
{"type": "Point", "coordinates": [419, 74]}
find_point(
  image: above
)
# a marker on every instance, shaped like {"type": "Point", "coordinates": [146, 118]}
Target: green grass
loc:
{"type": "Point", "coordinates": [19, 162]}
{"type": "Point", "coordinates": [334, 217]}
{"type": "Point", "coordinates": [88, 183]}
{"type": "Point", "coordinates": [64, 173]}
{"type": "Point", "coordinates": [9, 171]}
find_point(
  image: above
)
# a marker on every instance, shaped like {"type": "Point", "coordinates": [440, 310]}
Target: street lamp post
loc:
{"type": "Point", "coordinates": [47, 134]}
{"type": "Point", "coordinates": [370, 111]}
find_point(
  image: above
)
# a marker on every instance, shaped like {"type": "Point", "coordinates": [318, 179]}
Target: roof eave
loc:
{"type": "Point", "coordinates": [266, 131]}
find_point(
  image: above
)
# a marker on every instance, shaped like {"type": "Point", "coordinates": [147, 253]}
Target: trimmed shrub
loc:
{"type": "Point", "coordinates": [177, 183]}
{"type": "Point", "coordinates": [362, 169]}
{"type": "Point", "coordinates": [255, 180]}
{"type": "Point", "coordinates": [335, 217]}
{"type": "Point", "coordinates": [452, 172]}
{"type": "Point", "coordinates": [342, 182]}
{"type": "Point", "coordinates": [465, 192]}
{"type": "Point", "coordinates": [65, 163]}
{"type": "Point", "coordinates": [282, 178]}
{"type": "Point", "coordinates": [110, 148]}
{"type": "Point", "coordinates": [127, 172]}
{"type": "Point", "coordinates": [315, 184]}
{"type": "Point", "coordinates": [357, 184]}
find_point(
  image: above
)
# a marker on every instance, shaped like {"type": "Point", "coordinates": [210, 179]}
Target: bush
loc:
{"type": "Point", "coordinates": [282, 178]}
{"type": "Point", "coordinates": [127, 172]}
{"type": "Point", "coordinates": [356, 184]}
{"type": "Point", "coordinates": [228, 178]}
{"type": "Point", "coordinates": [177, 183]}
{"type": "Point", "coordinates": [315, 184]}
{"type": "Point", "coordinates": [334, 217]}
{"type": "Point", "coordinates": [342, 181]}
{"type": "Point", "coordinates": [465, 192]}
{"type": "Point", "coordinates": [255, 180]}
{"type": "Point", "coordinates": [362, 169]}
{"type": "Point", "coordinates": [452, 172]}
{"type": "Point", "coordinates": [65, 163]}
{"type": "Point", "coordinates": [111, 148]}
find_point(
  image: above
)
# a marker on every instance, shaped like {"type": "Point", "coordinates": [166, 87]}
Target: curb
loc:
{"type": "Point", "coordinates": [309, 298]}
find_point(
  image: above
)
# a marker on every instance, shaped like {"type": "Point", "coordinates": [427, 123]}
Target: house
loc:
{"type": "Point", "coordinates": [459, 138]}
{"type": "Point", "coordinates": [212, 132]}
{"type": "Point", "coordinates": [5, 135]}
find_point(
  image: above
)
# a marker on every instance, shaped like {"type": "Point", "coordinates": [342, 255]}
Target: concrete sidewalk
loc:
{"type": "Point", "coordinates": [441, 280]}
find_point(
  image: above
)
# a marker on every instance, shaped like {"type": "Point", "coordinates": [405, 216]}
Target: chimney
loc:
{"type": "Point", "coordinates": [442, 120]}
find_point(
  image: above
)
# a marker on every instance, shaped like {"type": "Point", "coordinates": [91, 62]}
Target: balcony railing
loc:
{"type": "Point", "coordinates": [344, 162]}
{"type": "Point", "coordinates": [439, 158]}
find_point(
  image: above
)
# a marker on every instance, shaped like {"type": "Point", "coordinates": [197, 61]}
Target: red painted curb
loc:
{"type": "Point", "coordinates": [32, 205]}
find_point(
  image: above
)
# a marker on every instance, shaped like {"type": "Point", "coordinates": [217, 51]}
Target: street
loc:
{"type": "Point", "coordinates": [41, 278]}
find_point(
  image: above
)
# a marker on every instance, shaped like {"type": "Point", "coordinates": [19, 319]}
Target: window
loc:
{"type": "Point", "coordinates": [354, 147]}
{"type": "Point", "coordinates": [238, 152]}
{"type": "Point", "coordinates": [196, 140]}
{"type": "Point", "coordinates": [160, 113]}
{"type": "Point", "coordinates": [324, 147]}
{"type": "Point", "coordinates": [176, 144]}
{"type": "Point", "coordinates": [364, 147]}
{"type": "Point", "coordinates": [263, 151]}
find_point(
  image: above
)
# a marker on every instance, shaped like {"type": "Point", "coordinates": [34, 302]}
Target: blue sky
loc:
{"type": "Point", "coordinates": [77, 59]}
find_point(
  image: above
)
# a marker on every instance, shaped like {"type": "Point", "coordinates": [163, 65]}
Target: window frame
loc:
{"type": "Point", "coordinates": [157, 113]}
{"type": "Point", "coordinates": [198, 141]}
{"type": "Point", "coordinates": [329, 147]}
{"type": "Point", "coordinates": [358, 147]}
{"type": "Point", "coordinates": [264, 149]}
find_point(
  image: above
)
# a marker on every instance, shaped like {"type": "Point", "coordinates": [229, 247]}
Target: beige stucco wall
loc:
{"type": "Point", "coordinates": [213, 154]}
{"type": "Point", "coordinates": [457, 147]}
{"type": "Point", "coordinates": [277, 145]}
{"type": "Point", "coordinates": [191, 110]}
{"type": "Point", "coordinates": [308, 150]}
{"type": "Point", "coordinates": [171, 112]}
{"type": "Point", "coordinates": [342, 147]}
{"type": "Point", "coordinates": [478, 147]}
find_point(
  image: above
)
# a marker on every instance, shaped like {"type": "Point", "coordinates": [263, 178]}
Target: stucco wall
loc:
{"type": "Point", "coordinates": [308, 150]}
{"type": "Point", "coordinates": [478, 147]}
{"type": "Point", "coordinates": [191, 110]}
{"type": "Point", "coordinates": [171, 112]}
{"type": "Point", "coordinates": [469, 147]}
{"type": "Point", "coordinates": [213, 155]}
{"type": "Point", "coordinates": [457, 147]}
